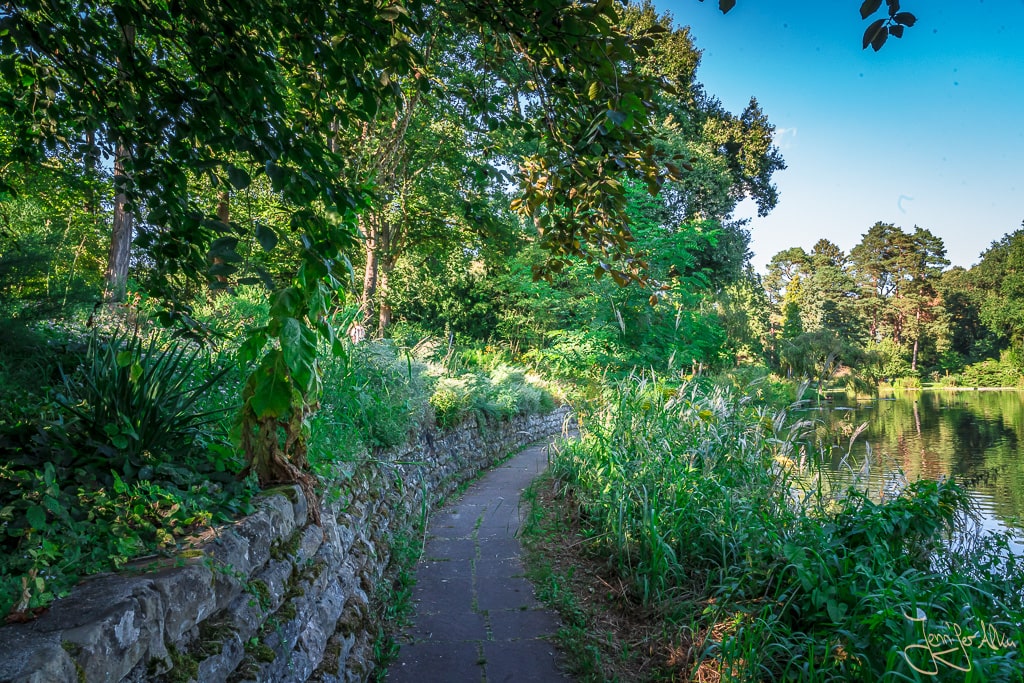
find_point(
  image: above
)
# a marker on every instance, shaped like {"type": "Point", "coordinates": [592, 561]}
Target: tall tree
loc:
{"type": "Point", "coordinates": [898, 272]}
{"type": "Point", "coordinates": [1000, 276]}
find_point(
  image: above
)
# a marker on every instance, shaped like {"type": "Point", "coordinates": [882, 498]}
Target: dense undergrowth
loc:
{"type": "Point", "coordinates": [703, 501]}
{"type": "Point", "coordinates": [117, 443]}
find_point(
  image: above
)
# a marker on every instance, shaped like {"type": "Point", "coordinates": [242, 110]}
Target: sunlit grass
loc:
{"type": "Point", "coordinates": [706, 503]}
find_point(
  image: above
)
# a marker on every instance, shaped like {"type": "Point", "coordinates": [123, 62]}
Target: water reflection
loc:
{"type": "Point", "coordinates": [974, 436]}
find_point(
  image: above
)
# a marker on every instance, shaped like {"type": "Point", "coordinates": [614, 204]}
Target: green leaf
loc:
{"type": "Point", "coordinates": [253, 344]}
{"type": "Point", "coordinates": [36, 516]}
{"type": "Point", "coordinates": [905, 19]}
{"type": "Point", "coordinates": [224, 249]}
{"type": "Point", "coordinates": [277, 174]}
{"type": "Point", "coordinates": [123, 359]}
{"type": "Point", "coordinates": [896, 31]}
{"type": "Point", "coordinates": [726, 5]}
{"type": "Point", "coordinates": [879, 40]}
{"type": "Point", "coordinates": [238, 178]}
{"type": "Point", "coordinates": [616, 117]}
{"type": "Point", "coordinates": [594, 91]}
{"type": "Point", "coordinates": [298, 345]}
{"type": "Point", "coordinates": [868, 8]}
{"type": "Point", "coordinates": [266, 236]}
{"type": "Point", "coordinates": [286, 304]}
{"type": "Point", "coordinates": [873, 30]}
{"type": "Point", "coordinates": [272, 393]}
{"type": "Point", "coordinates": [222, 270]}
{"type": "Point", "coordinates": [836, 611]}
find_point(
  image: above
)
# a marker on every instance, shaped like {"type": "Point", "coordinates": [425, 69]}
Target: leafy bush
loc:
{"type": "Point", "coordinates": [131, 459]}
{"type": "Point", "coordinates": [133, 403]}
{"type": "Point", "coordinates": [908, 382]}
{"type": "Point", "coordinates": [373, 396]}
{"type": "Point", "coordinates": [884, 360]}
{"type": "Point", "coordinates": [231, 314]}
{"type": "Point", "coordinates": [452, 399]}
{"type": "Point", "coordinates": [503, 392]}
{"type": "Point", "coordinates": [991, 373]}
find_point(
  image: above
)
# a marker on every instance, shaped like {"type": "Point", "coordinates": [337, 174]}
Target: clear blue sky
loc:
{"type": "Point", "coordinates": [929, 131]}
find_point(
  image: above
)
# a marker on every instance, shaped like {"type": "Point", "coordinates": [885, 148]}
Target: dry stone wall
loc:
{"type": "Point", "coordinates": [271, 597]}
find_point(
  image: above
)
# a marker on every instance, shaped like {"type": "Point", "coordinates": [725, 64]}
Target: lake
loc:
{"type": "Point", "coordinates": [974, 436]}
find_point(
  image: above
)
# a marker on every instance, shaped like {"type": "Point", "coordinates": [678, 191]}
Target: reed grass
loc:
{"type": "Point", "coordinates": [709, 504]}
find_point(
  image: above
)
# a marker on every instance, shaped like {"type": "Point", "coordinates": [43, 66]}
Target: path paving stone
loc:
{"type": "Point", "coordinates": [477, 619]}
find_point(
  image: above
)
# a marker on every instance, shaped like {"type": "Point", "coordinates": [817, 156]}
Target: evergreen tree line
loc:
{"type": "Point", "coordinates": [892, 308]}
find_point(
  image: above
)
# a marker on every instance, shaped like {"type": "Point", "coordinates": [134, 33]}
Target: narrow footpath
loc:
{"type": "Point", "coordinates": [476, 618]}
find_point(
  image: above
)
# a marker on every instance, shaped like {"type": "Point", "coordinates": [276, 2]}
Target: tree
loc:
{"type": "Point", "coordinates": [833, 292]}
{"type": "Point", "coordinates": [898, 273]}
{"type": "Point", "coordinates": [999, 277]}
{"type": "Point", "coordinates": [783, 284]}
{"type": "Point", "coordinates": [255, 89]}
{"type": "Point", "coordinates": [224, 95]}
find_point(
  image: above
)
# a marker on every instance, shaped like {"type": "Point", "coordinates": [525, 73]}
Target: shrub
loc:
{"type": "Point", "coordinates": [501, 393]}
{"type": "Point", "coordinates": [131, 459]}
{"type": "Point", "coordinates": [908, 382]}
{"type": "Point", "coordinates": [991, 373]}
{"type": "Point", "coordinates": [133, 403]}
{"type": "Point", "coordinates": [452, 399]}
{"type": "Point", "coordinates": [373, 395]}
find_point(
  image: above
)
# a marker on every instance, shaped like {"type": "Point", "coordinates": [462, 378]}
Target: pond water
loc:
{"type": "Point", "coordinates": [975, 436]}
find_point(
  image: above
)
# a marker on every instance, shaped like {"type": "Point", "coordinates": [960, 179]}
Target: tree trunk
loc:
{"type": "Point", "coordinates": [224, 216]}
{"type": "Point", "coordinates": [386, 266]}
{"type": "Point", "coordinates": [370, 271]}
{"type": "Point", "coordinates": [116, 278]}
{"type": "Point", "coordinates": [91, 155]}
{"type": "Point", "coordinates": [913, 358]}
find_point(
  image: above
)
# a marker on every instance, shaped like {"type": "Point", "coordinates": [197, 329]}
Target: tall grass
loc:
{"type": "Point", "coordinates": [698, 496]}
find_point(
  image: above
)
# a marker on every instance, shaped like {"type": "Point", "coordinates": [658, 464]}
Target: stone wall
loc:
{"type": "Point", "coordinates": [272, 597]}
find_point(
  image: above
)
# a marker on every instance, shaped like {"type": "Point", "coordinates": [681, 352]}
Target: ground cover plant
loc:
{"type": "Point", "coordinates": [117, 448]}
{"type": "Point", "coordinates": [696, 497]}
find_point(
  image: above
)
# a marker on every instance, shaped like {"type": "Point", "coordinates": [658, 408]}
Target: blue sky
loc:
{"type": "Point", "coordinates": [929, 131]}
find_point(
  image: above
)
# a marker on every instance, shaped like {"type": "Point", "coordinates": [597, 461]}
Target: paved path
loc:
{"type": "Point", "coordinates": [476, 616]}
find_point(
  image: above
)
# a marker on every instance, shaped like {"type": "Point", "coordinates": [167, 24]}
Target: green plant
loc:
{"type": "Point", "coordinates": [130, 461]}
{"type": "Point", "coordinates": [501, 392]}
{"type": "Point", "coordinates": [700, 500]}
{"type": "Point", "coordinates": [132, 400]}
{"type": "Point", "coordinates": [908, 382]}
{"type": "Point", "coordinates": [991, 373]}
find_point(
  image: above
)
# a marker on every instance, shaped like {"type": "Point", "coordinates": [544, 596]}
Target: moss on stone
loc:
{"type": "Point", "coordinates": [184, 667]}
{"type": "Point", "coordinates": [260, 652]}
{"type": "Point", "coordinates": [287, 612]}
{"type": "Point", "coordinates": [260, 590]}
{"type": "Point", "coordinates": [288, 492]}
{"type": "Point", "coordinates": [286, 549]}
{"type": "Point", "coordinates": [212, 635]}
{"type": "Point", "coordinates": [247, 670]}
